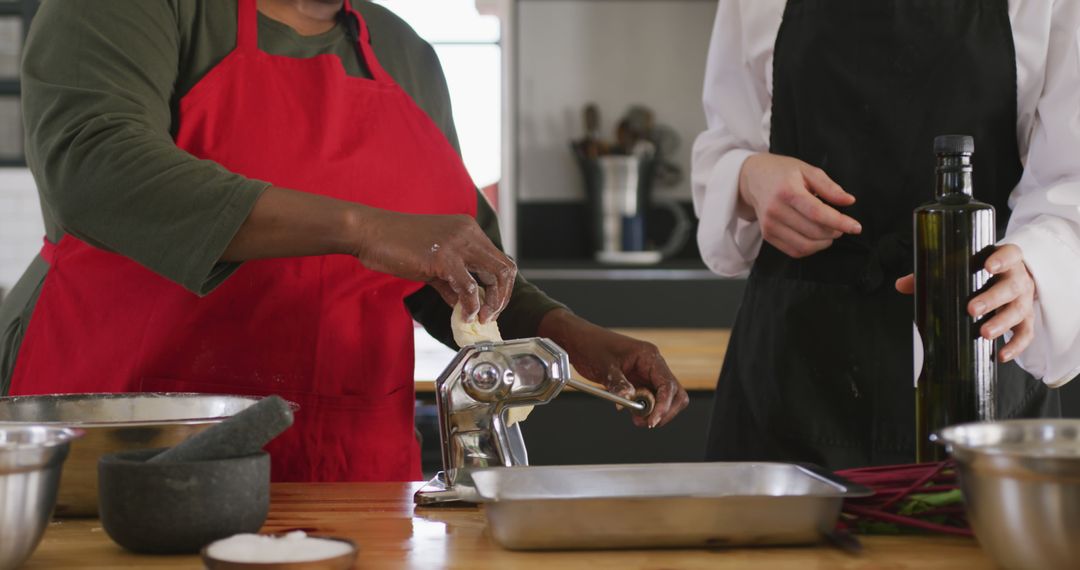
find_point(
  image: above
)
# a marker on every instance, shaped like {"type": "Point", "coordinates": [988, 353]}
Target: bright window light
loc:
{"type": "Point", "coordinates": [467, 45]}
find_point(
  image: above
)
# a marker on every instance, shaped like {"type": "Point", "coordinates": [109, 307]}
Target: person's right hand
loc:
{"type": "Point", "coordinates": [443, 251]}
{"type": "Point", "coordinates": [790, 200]}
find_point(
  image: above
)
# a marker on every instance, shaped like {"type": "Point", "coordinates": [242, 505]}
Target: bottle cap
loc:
{"type": "Point", "coordinates": [954, 144]}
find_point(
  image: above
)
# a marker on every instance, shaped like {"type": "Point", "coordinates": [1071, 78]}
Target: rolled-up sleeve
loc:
{"type": "Point", "coordinates": [98, 82]}
{"type": "Point", "coordinates": [736, 101]}
{"type": "Point", "coordinates": [1045, 220]}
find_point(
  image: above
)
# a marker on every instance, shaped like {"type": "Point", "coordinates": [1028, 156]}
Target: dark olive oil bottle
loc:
{"type": "Point", "coordinates": [953, 236]}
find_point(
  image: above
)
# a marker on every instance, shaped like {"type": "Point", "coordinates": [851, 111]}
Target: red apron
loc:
{"type": "Point", "coordinates": [322, 331]}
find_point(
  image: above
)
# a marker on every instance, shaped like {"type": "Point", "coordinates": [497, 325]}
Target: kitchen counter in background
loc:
{"type": "Point", "coordinates": [673, 294]}
{"type": "Point", "coordinates": [391, 533]}
{"type": "Point", "coordinates": [694, 355]}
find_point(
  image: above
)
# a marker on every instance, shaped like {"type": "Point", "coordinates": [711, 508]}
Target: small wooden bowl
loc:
{"type": "Point", "coordinates": [343, 562]}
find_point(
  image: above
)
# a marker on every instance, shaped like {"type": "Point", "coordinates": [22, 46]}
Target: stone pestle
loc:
{"type": "Point", "coordinates": [243, 434]}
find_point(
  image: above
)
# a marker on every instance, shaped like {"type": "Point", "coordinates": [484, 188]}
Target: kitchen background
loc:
{"type": "Point", "coordinates": [520, 74]}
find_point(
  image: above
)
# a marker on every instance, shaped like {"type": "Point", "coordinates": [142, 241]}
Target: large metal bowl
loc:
{"type": "Point", "coordinates": [31, 458]}
{"type": "Point", "coordinates": [1021, 486]}
{"type": "Point", "coordinates": [115, 423]}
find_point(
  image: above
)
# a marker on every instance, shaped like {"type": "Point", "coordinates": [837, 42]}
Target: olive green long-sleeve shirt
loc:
{"type": "Point", "coordinates": [102, 81]}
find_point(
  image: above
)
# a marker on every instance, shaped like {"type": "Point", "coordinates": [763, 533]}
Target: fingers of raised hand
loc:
{"type": "Point", "coordinates": [808, 228]}
{"type": "Point", "coordinates": [790, 241]}
{"type": "Point", "coordinates": [819, 183]}
{"type": "Point", "coordinates": [821, 213]}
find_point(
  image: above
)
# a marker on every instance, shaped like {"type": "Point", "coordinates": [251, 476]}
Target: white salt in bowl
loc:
{"type": "Point", "coordinates": [292, 551]}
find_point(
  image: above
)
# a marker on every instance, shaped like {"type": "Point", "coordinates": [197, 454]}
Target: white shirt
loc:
{"type": "Point", "coordinates": [1045, 221]}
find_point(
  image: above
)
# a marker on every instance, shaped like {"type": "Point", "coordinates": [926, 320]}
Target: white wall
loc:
{"type": "Point", "coordinates": [21, 229]}
{"type": "Point", "coordinates": [614, 53]}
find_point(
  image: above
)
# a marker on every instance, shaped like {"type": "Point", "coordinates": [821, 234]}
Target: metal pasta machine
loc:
{"type": "Point", "coordinates": [475, 395]}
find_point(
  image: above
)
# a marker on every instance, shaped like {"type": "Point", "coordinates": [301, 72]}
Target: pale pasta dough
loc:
{"type": "Point", "coordinates": [518, 414]}
{"type": "Point", "coordinates": [468, 333]}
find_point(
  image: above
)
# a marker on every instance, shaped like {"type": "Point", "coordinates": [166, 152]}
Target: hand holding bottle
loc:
{"type": "Point", "coordinates": [791, 200]}
{"type": "Point", "coordinates": [1012, 295]}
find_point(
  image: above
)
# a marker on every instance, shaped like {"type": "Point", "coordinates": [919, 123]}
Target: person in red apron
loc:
{"type": "Point", "coordinates": [355, 167]}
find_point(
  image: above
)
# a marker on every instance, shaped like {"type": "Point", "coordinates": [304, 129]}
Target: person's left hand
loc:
{"type": "Point", "coordinates": [618, 362]}
{"type": "Point", "coordinates": [1012, 295]}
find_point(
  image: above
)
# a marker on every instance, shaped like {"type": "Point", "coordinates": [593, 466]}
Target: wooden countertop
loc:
{"type": "Point", "coordinates": [694, 355]}
{"type": "Point", "coordinates": [391, 533]}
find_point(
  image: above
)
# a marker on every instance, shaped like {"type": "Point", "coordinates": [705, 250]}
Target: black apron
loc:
{"type": "Point", "coordinates": [820, 367]}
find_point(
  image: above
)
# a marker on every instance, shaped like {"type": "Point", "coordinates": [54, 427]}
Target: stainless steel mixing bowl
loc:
{"type": "Point", "coordinates": [114, 423]}
{"type": "Point", "coordinates": [31, 458]}
{"type": "Point", "coordinates": [1021, 485]}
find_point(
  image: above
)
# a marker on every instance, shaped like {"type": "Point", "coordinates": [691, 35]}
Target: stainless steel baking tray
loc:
{"type": "Point", "coordinates": [660, 505]}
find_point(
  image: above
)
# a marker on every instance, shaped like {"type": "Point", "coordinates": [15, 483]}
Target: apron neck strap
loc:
{"type": "Point", "coordinates": [247, 26]}
{"type": "Point", "coordinates": [247, 34]}
{"type": "Point", "coordinates": [359, 33]}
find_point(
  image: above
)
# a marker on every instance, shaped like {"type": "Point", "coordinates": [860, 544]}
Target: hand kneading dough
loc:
{"type": "Point", "coordinates": [469, 333]}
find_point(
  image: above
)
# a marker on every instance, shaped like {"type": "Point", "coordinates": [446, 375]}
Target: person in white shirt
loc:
{"type": "Point", "coordinates": [821, 119]}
